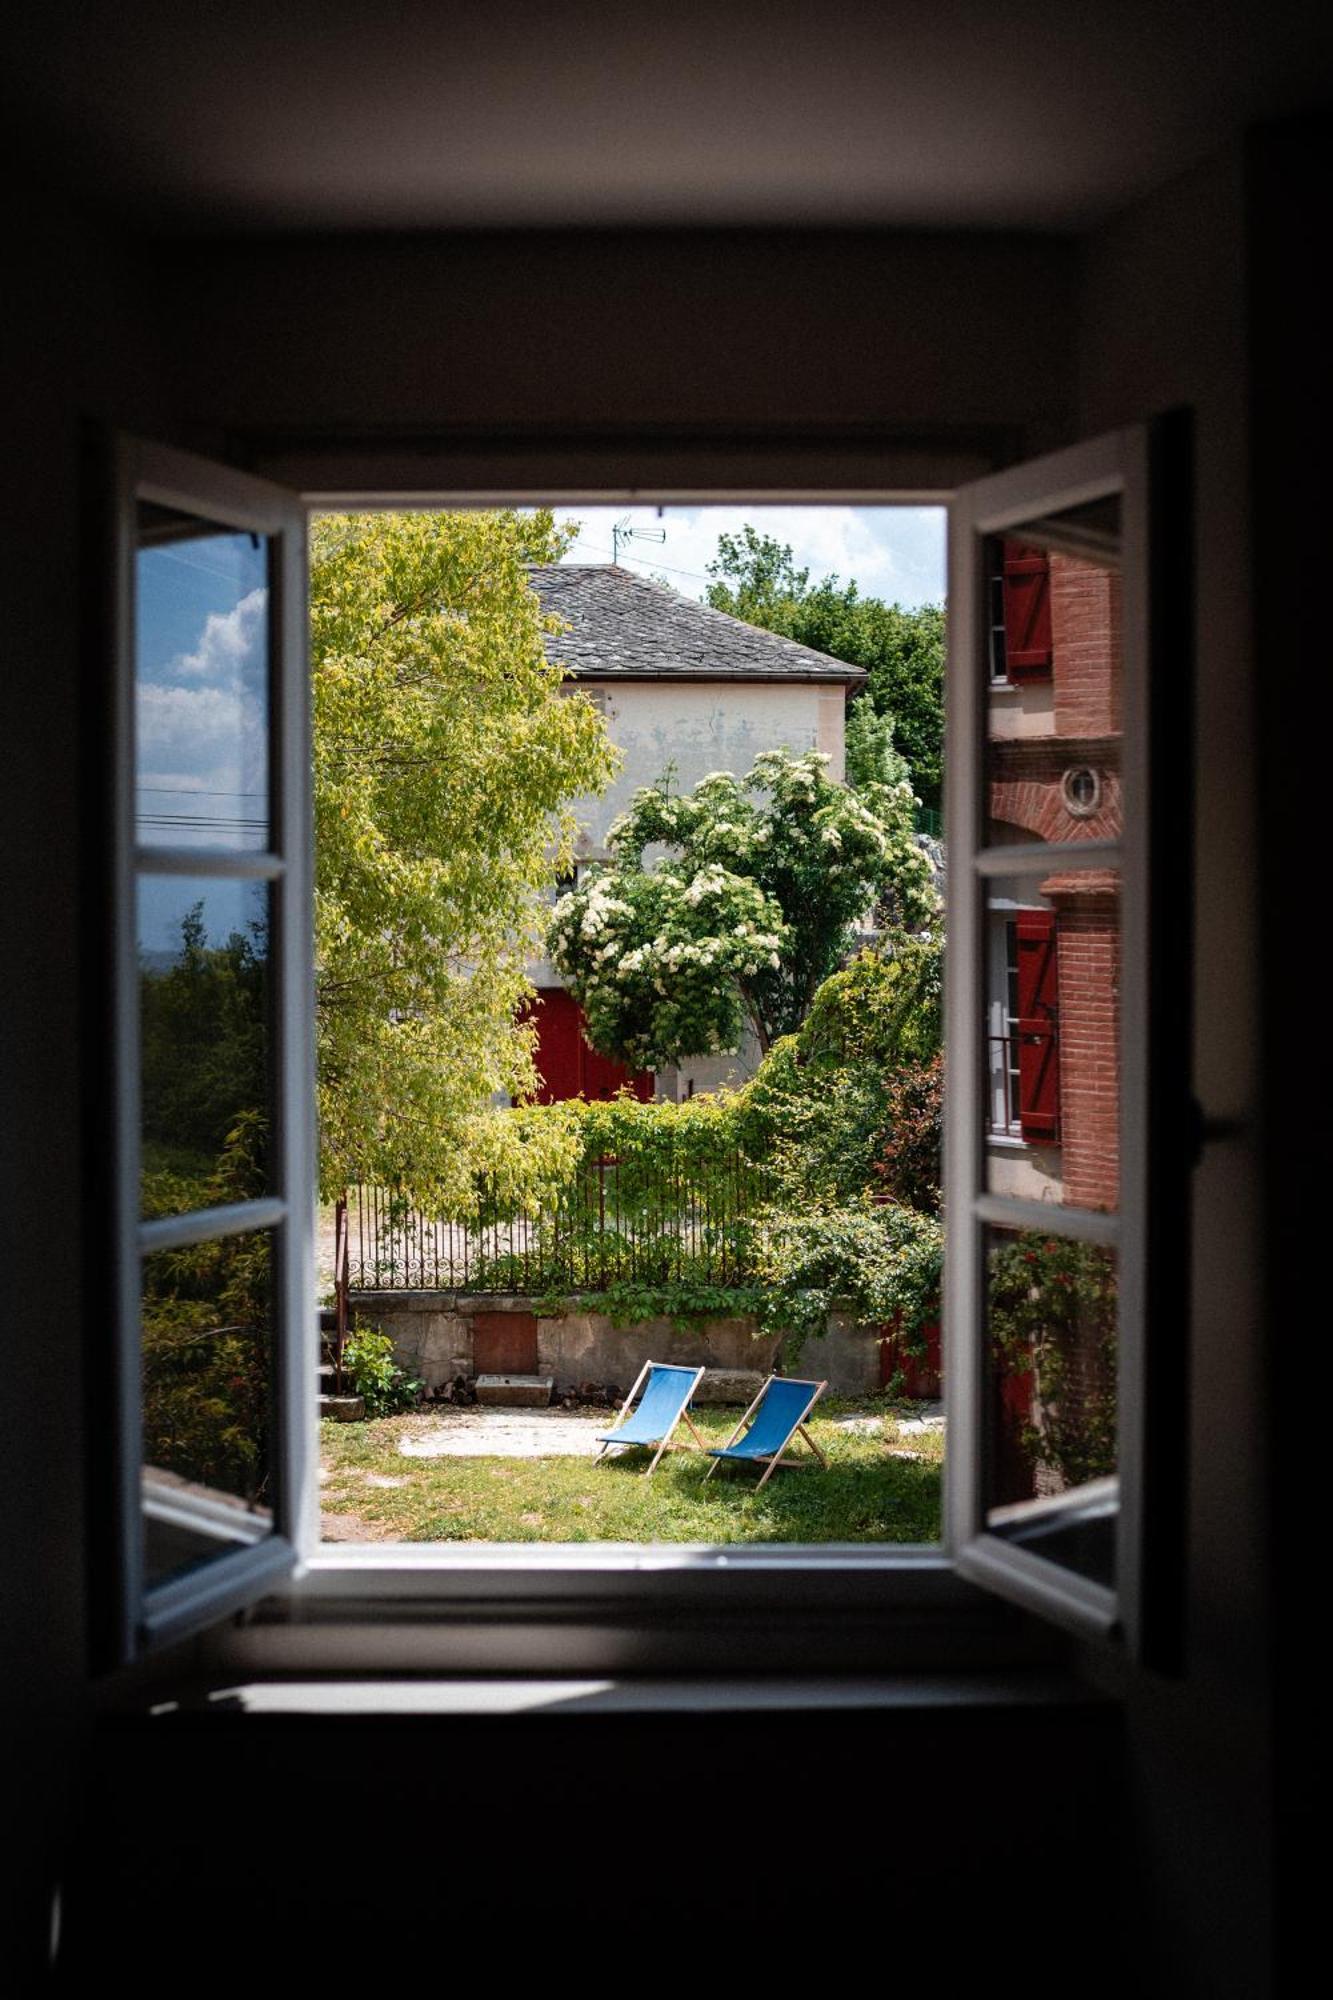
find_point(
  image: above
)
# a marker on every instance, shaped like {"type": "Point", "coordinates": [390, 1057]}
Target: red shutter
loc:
{"type": "Point", "coordinates": [1027, 613]}
{"type": "Point", "coordinates": [1038, 1026]}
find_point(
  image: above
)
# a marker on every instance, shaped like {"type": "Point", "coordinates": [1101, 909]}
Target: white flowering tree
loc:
{"type": "Point", "coordinates": [752, 905]}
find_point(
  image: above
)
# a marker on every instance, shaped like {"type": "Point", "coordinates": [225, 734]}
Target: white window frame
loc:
{"type": "Point", "coordinates": [570, 1608]}
{"type": "Point", "coordinates": [137, 1617]}
{"type": "Point", "coordinates": [1153, 1103]}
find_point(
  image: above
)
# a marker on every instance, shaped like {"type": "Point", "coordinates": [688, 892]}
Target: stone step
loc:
{"type": "Point", "coordinates": [515, 1391]}
{"type": "Point", "coordinates": [343, 1409]}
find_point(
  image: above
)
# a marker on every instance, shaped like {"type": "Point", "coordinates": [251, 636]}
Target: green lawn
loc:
{"type": "Point", "coordinates": [869, 1493]}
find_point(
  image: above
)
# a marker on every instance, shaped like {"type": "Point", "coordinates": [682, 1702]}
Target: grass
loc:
{"type": "Point", "coordinates": [869, 1493]}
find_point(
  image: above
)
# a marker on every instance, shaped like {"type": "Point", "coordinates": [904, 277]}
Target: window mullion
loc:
{"type": "Point", "coordinates": [206, 1225]}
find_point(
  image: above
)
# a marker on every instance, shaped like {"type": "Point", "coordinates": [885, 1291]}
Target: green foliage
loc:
{"type": "Point", "coordinates": [446, 757]}
{"type": "Point", "coordinates": [903, 651]}
{"type": "Point", "coordinates": [1053, 1315]}
{"type": "Point", "coordinates": [752, 908]}
{"type": "Point", "coordinates": [207, 1333]}
{"type": "Point", "coordinates": [910, 1160]}
{"type": "Point", "coordinates": [657, 1208]}
{"type": "Point", "coordinates": [820, 1107]}
{"type": "Point", "coordinates": [880, 1264]}
{"type": "Point", "coordinates": [372, 1373]}
{"type": "Point", "coordinates": [204, 1041]}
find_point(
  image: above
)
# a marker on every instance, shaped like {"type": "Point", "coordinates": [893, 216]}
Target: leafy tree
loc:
{"type": "Point", "coordinates": [823, 1108]}
{"type": "Point", "coordinates": [751, 909]}
{"type": "Point", "coordinates": [446, 757]}
{"type": "Point", "coordinates": [203, 1041]}
{"type": "Point", "coordinates": [902, 651]}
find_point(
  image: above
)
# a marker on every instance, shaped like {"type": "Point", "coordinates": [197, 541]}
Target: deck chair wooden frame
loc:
{"type": "Point", "coordinates": [774, 1460]}
{"type": "Point", "coordinates": [668, 1443]}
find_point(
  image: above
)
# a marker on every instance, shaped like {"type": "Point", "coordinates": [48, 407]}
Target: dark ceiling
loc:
{"type": "Point", "coordinates": [1040, 114]}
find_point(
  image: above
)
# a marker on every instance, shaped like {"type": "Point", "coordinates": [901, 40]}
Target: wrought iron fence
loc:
{"type": "Point", "coordinates": [614, 1221]}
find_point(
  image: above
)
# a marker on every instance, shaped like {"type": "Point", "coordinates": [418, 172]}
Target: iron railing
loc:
{"type": "Point", "coordinates": [614, 1221]}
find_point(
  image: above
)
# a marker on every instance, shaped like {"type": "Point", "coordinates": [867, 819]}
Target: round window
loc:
{"type": "Point", "coordinates": [1082, 787]}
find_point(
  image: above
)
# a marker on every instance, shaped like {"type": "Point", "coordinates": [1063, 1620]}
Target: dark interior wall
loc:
{"type": "Point", "coordinates": [1163, 322]}
{"type": "Point", "coordinates": [1290, 193]}
{"type": "Point", "coordinates": [915, 340]}
{"type": "Point", "coordinates": [755, 340]}
{"type": "Point", "coordinates": [76, 345]}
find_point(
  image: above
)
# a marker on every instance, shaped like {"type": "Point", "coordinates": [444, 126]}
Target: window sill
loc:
{"type": "Point", "coordinates": [554, 1695]}
{"type": "Point", "coordinates": [597, 1611]}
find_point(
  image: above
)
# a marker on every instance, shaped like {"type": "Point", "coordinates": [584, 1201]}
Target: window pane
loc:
{"type": "Point", "coordinates": [202, 675]}
{"type": "Point", "coordinates": [204, 1040]}
{"type": "Point", "coordinates": [1051, 1398]}
{"type": "Point", "coordinates": [207, 1400]}
{"type": "Point", "coordinates": [1052, 1037]}
{"type": "Point", "coordinates": [1053, 668]}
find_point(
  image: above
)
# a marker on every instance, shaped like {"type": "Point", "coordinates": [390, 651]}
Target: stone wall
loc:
{"type": "Point", "coordinates": [432, 1337]}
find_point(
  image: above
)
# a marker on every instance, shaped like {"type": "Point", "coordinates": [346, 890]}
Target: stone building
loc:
{"type": "Point", "coordinates": [683, 687]}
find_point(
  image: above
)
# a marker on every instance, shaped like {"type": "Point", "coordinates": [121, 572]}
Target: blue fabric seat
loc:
{"type": "Point", "coordinates": [665, 1402]}
{"type": "Point", "coordinates": [772, 1420]}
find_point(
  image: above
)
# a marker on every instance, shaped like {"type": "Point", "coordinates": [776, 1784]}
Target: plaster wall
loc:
{"type": "Point", "coordinates": [432, 1337]}
{"type": "Point", "coordinates": [703, 726]}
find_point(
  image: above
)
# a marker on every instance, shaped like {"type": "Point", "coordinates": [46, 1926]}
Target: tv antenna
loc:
{"type": "Point", "coordinates": [624, 531]}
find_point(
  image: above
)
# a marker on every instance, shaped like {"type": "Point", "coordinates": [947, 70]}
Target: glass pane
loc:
{"type": "Point", "coordinates": [1052, 1037]}
{"type": "Point", "coordinates": [1050, 1437]}
{"type": "Point", "coordinates": [208, 1348]}
{"type": "Point", "coordinates": [204, 1041]}
{"type": "Point", "coordinates": [1053, 664]}
{"type": "Point", "coordinates": [202, 677]}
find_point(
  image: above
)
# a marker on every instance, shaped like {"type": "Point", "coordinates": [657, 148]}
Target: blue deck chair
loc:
{"type": "Point", "coordinates": [773, 1418]}
{"type": "Point", "coordinates": [666, 1397]}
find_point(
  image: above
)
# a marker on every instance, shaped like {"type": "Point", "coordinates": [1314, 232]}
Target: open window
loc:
{"type": "Point", "coordinates": [1056, 805]}
{"type": "Point", "coordinates": [211, 1014]}
{"type": "Point", "coordinates": [1066, 1135]}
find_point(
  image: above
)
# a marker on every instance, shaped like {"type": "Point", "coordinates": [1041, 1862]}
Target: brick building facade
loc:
{"type": "Point", "coordinates": [1054, 953]}
{"type": "Point", "coordinates": [1054, 755]}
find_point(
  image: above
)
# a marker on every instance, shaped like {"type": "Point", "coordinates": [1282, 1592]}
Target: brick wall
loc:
{"type": "Point", "coordinates": [1085, 639]}
{"type": "Point", "coordinates": [1027, 787]}
{"type": "Point", "coordinates": [1088, 942]}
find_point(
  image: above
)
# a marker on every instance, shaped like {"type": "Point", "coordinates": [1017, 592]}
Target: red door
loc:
{"type": "Point", "coordinates": [566, 1064]}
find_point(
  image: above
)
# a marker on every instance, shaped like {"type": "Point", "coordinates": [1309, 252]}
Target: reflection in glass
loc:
{"type": "Point", "coordinates": [203, 1014]}
{"type": "Point", "coordinates": [1053, 1037]}
{"type": "Point", "coordinates": [201, 694]}
{"type": "Point", "coordinates": [1051, 1343]}
{"type": "Point", "coordinates": [207, 1400]}
{"type": "Point", "coordinates": [1055, 673]}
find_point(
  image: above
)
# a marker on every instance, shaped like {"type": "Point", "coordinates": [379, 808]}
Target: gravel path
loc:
{"type": "Point", "coordinates": [477, 1433]}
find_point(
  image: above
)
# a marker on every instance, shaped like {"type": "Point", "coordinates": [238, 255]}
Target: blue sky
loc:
{"type": "Point", "coordinates": [897, 553]}
{"type": "Point", "coordinates": [200, 719]}
{"type": "Point", "coordinates": [202, 607]}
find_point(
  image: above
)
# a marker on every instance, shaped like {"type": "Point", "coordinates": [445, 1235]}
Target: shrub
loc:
{"type": "Point", "coordinates": [372, 1373]}
{"type": "Point", "coordinates": [1053, 1315]}
{"type": "Point", "coordinates": [879, 1264]}
{"type": "Point", "coordinates": [910, 1161]}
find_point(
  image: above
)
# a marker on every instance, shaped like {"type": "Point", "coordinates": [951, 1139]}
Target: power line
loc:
{"type": "Point", "coordinates": [598, 549]}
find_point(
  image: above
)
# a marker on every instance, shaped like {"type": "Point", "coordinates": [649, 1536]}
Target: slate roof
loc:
{"type": "Point", "coordinates": [622, 627]}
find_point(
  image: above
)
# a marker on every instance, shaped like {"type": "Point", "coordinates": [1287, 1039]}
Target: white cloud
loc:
{"type": "Point", "coordinates": [896, 553]}
{"type": "Point", "coordinates": [230, 645]}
